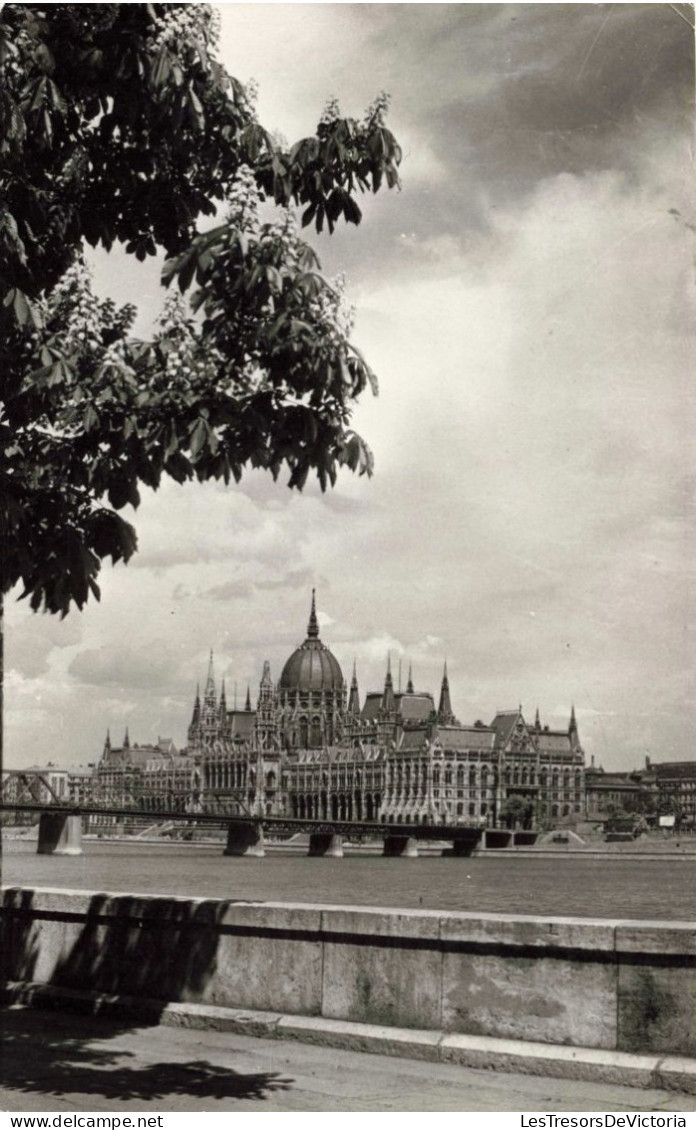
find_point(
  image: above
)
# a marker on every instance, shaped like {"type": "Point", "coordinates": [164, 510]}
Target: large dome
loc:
{"type": "Point", "coordinates": [311, 667]}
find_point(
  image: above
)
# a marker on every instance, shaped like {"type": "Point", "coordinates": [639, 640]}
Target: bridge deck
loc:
{"type": "Point", "coordinates": [286, 824]}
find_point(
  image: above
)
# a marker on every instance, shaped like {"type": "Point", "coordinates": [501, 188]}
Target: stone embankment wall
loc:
{"type": "Point", "coordinates": [622, 985]}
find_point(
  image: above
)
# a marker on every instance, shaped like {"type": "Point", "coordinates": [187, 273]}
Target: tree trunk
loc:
{"type": "Point", "coordinates": [2, 716]}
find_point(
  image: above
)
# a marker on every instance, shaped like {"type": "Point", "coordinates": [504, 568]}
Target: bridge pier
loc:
{"type": "Point", "coordinates": [245, 839]}
{"type": "Point", "coordinates": [324, 843]}
{"type": "Point", "coordinates": [497, 838]}
{"type": "Point", "coordinates": [60, 833]}
{"type": "Point", "coordinates": [406, 846]}
{"type": "Point", "coordinates": [524, 839]}
{"type": "Point", "coordinates": [460, 848]}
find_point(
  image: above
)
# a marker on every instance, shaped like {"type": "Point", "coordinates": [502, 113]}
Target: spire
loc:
{"type": "Point", "coordinates": [388, 696]}
{"type": "Point", "coordinates": [209, 713]}
{"type": "Point", "coordinates": [197, 706]}
{"type": "Point", "coordinates": [265, 725]}
{"type": "Point", "coordinates": [107, 743]}
{"type": "Point", "coordinates": [223, 703]}
{"type": "Point", "coordinates": [537, 721]}
{"type": "Point", "coordinates": [313, 625]}
{"type": "Point", "coordinates": [444, 710]}
{"type": "Point", "coordinates": [209, 694]}
{"type": "Point", "coordinates": [409, 684]}
{"type": "Point", "coordinates": [354, 698]}
{"type": "Point", "coordinates": [126, 740]}
{"type": "Point", "coordinates": [208, 727]}
{"type": "Point", "coordinates": [193, 730]}
{"type": "Point", "coordinates": [573, 731]}
{"type": "Point", "coordinates": [247, 705]}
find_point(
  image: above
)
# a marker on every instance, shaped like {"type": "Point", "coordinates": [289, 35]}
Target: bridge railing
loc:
{"type": "Point", "coordinates": [60, 829]}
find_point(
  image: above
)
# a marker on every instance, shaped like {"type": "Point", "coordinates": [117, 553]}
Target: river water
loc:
{"type": "Point", "coordinates": [554, 885]}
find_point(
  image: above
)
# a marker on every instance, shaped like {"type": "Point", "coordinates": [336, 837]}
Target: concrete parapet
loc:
{"type": "Point", "coordinates": [325, 843]}
{"type": "Point", "coordinates": [611, 986]}
{"type": "Point", "coordinates": [245, 839]}
{"type": "Point", "coordinates": [406, 846]}
{"type": "Point", "coordinates": [60, 833]}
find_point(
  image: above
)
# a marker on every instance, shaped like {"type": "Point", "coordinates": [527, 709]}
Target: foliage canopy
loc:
{"type": "Point", "coordinates": [118, 125]}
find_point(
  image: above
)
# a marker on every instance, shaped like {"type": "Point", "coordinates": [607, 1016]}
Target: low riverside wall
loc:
{"type": "Point", "coordinates": [621, 985]}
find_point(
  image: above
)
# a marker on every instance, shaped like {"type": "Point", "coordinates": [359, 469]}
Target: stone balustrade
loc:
{"type": "Point", "coordinates": [623, 985]}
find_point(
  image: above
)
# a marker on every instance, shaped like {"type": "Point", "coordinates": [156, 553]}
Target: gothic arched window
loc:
{"type": "Point", "coordinates": [316, 730]}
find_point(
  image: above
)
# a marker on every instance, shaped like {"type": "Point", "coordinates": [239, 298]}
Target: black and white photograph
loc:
{"type": "Point", "coordinates": [348, 597]}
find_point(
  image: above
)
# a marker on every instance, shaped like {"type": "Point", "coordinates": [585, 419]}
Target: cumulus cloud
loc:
{"type": "Point", "coordinates": [126, 667]}
{"type": "Point", "coordinates": [230, 590]}
{"type": "Point", "coordinates": [29, 651]}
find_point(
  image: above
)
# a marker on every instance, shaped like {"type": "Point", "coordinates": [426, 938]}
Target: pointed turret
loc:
{"type": "Point", "coordinates": [247, 704]}
{"type": "Point", "coordinates": [444, 710]}
{"type": "Point", "coordinates": [265, 709]}
{"type": "Point", "coordinates": [409, 684]}
{"type": "Point", "coordinates": [537, 722]}
{"type": "Point", "coordinates": [313, 625]}
{"type": "Point", "coordinates": [388, 696]}
{"type": "Point", "coordinates": [210, 724]}
{"type": "Point", "coordinates": [209, 697]}
{"type": "Point", "coordinates": [107, 743]}
{"type": "Point", "coordinates": [354, 699]}
{"type": "Point", "coordinates": [194, 727]}
{"type": "Point", "coordinates": [126, 740]}
{"type": "Point", "coordinates": [573, 731]}
{"type": "Point", "coordinates": [223, 704]}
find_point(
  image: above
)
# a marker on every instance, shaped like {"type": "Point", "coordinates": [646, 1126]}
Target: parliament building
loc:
{"type": "Point", "coordinates": [310, 747]}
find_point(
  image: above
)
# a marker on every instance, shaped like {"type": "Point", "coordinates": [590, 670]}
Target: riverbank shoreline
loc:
{"type": "Point", "coordinates": [637, 851]}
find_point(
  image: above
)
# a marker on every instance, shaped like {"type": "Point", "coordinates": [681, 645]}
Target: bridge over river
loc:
{"type": "Point", "coordinates": [60, 830]}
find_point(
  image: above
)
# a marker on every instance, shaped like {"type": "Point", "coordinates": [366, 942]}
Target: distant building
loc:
{"type": "Point", "coordinates": [150, 777]}
{"type": "Point", "coordinates": [81, 783]}
{"type": "Point", "coordinates": [661, 788]}
{"type": "Point", "coordinates": [609, 794]}
{"type": "Point", "coordinates": [310, 749]}
{"type": "Point", "coordinates": [675, 783]}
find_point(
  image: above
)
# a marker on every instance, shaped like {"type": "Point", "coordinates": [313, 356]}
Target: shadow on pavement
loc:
{"type": "Point", "coordinates": [47, 1055]}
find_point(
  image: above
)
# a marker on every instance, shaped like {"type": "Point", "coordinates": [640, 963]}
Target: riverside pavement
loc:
{"type": "Point", "coordinates": [52, 1061]}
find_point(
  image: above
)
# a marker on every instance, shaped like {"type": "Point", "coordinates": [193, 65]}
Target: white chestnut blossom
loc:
{"type": "Point", "coordinates": [377, 111]}
{"type": "Point", "coordinates": [244, 201]}
{"type": "Point", "coordinates": [186, 22]}
{"type": "Point", "coordinates": [80, 316]}
{"type": "Point", "coordinates": [187, 357]}
{"type": "Point", "coordinates": [331, 113]}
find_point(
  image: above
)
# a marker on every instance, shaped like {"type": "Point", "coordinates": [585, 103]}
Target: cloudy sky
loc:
{"type": "Point", "coordinates": [526, 301]}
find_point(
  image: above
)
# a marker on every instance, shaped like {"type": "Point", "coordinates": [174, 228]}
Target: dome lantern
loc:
{"type": "Point", "coordinates": [312, 668]}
